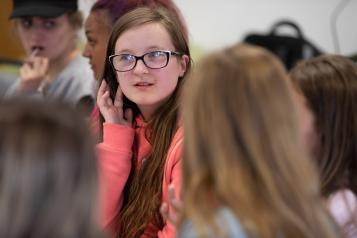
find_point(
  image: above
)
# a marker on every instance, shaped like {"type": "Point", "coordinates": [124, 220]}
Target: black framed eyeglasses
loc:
{"type": "Point", "coordinates": [154, 60]}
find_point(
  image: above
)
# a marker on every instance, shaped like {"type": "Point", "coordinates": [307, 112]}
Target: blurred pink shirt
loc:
{"type": "Point", "coordinates": [343, 207]}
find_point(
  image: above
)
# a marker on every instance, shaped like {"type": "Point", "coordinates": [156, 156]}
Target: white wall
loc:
{"type": "Point", "coordinates": [216, 23]}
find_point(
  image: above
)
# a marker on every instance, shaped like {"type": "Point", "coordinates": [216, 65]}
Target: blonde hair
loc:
{"type": "Point", "coordinates": [242, 149]}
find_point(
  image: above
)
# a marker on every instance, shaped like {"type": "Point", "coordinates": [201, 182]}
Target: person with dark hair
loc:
{"type": "Point", "coordinates": [146, 63]}
{"type": "Point", "coordinates": [98, 26]}
{"type": "Point", "coordinates": [53, 70]}
{"type": "Point", "coordinates": [48, 173]}
{"type": "Point", "coordinates": [329, 84]}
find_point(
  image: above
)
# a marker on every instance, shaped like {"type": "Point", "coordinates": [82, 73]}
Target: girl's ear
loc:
{"type": "Point", "coordinates": [183, 64]}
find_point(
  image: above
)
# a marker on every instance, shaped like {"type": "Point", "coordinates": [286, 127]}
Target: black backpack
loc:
{"type": "Point", "coordinates": [290, 49]}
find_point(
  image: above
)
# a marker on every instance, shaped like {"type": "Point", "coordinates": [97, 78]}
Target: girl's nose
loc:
{"type": "Point", "coordinates": [86, 51]}
{"type": "Point", "coordinates": [140, 67]}
{"type": "Point", "coordinates": [37, 34]}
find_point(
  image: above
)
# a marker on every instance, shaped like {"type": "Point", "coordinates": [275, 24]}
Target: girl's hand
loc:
{"type": "Point", "coordinates": [113, 112]}
{"type": "Point", "coordinates": [173, 215]}
{"type": "Point", "coordinates": [33, 74]}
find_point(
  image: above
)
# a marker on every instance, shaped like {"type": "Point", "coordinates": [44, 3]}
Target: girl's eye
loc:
{"type": "Point", "coordinates": [26, 23]}
{"type": "Point", "coordinates": [91, 41]}
{"type": "Point", "coordinates": [126, 58]}
{"type": "Point", "coordinates": [155, 54]}
{"type": "Point", "coordinates": [49, 24]}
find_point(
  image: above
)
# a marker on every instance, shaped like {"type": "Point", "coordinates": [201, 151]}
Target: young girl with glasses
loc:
{"type": "Point", "coordinates": [101, 19]}
{"type": "Point", "coordinates": [147, 60]}
{"type": "Point", "coordinates": [98, 26]}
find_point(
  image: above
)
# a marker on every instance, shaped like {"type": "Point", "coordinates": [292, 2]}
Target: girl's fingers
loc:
{"type": "Point", "coordinates": [41, 68]}
{"type": "Point", "coordinates": [29, 61]}
{"type": "Point", "coordinates": [113, 110]}
{"type": "Point", "coordinates": [174, 202]}
{"type": "Point", "coordinates": [36, 63]}
{"type": "Point", "coordinates": [118, 100]}
{"type": "Point", "coordinates": [118, 103]}
{"type": "Point", "coordinates": [164, 210]}
{"type": "Point", "coordinates": [102, 100]}
{"type": "Point", "coordinates": [22, 69]}
{"type": "Point", "coordinates": [33, 54]}
{"type": "Point", "coordinates": [167, 215]}
{"type": "Point", "coordinates": [36, 68]}
{"type": "Point", "coordinates": [106, 99]}
{"type": "Point", "coordinates": [25, 70]}
{"type": "Point", "coordinates": [44, 66]}
{"type": "Point", "coordinates": [176, 206]}
{"type": "Point", "coordinates": [171, 192]}
{"type": "Point", "coordinates": [102, 88]}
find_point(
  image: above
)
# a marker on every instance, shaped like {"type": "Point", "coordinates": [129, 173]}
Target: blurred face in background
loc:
{"type": "Point", "coordinates": [53, 38]}
{"type": "Point", "coordinates": [307, 133]}
{"type": "Point", "coordinates": [97, 30]}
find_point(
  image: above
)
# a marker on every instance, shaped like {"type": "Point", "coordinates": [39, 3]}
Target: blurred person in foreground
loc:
{"type": "Point", "coordinates": [48, 173]}
{"type": "Point", "coordinates": [246, 171]}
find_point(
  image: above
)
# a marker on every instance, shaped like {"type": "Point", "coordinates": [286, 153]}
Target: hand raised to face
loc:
{"type": "Point", "coordinates": [33, 73]}
{"type": "Point", "coordinates": [113, 112]}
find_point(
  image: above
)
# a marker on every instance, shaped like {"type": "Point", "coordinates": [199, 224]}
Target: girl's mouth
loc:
{"type": "Point", "coordinates": [143, 84]}
{"type": "Point", "coordinates": [37, 48]}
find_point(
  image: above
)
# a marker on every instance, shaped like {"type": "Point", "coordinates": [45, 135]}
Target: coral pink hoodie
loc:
{"type": "Point", "coordinates": [114, 167]}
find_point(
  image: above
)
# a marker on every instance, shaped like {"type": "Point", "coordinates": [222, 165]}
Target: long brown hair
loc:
{"type": "Point", "coordinates": [48, 174]}
{"type": "Point", "coordinates": [142, 199]}
{"type": "Point", "coordinates": [330, 85]}
{"type": "Point", "coordinates": [242, 149]}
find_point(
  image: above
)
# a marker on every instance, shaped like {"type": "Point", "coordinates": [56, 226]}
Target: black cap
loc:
{"type": "Point", "coordinates": [42, 8]}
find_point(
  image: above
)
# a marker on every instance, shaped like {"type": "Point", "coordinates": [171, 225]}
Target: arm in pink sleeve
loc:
{"type": "Point", "coordinates": [114, 162]}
